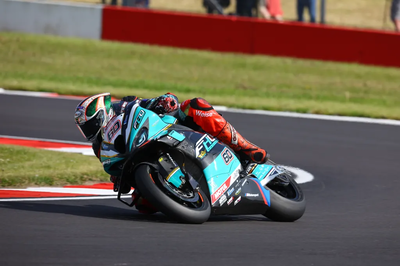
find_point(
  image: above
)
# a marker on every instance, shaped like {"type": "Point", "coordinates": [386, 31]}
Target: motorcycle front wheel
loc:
{"type": "Point", "coordinates": [149, 186]}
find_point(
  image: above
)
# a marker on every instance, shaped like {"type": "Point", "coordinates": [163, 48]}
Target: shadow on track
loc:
{"type": "Point", "coordinates": [115, 213]}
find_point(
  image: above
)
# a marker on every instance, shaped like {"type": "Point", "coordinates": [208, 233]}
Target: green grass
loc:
{"type": "Point", "coordinates": [84, 67]}
{"type": "Point", "coordinates": [22, 166]}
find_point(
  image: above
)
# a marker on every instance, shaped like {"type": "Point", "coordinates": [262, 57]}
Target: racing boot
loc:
{"type": "Point", "coordinates": [239, 144]}
{"type": "Point", "coordinates": [198, 112]}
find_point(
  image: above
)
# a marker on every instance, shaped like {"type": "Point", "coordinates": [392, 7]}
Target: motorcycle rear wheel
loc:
{"type": "Point", "coordinates": [288, 203]}
{"type": "Point", "coordinates": [148, 187]}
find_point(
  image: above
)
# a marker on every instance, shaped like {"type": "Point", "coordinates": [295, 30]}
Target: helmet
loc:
{"type": "Point", "coordinates": [166, 103]}
{"type": "Point", "coordinates": [92, 114]}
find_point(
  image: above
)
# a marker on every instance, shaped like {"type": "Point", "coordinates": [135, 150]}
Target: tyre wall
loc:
{"type": "Point", "coordinates": [75, 20]}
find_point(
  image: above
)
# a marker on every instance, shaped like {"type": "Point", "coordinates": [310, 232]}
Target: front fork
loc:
{"type": "Point", "coordinates": [171, 170]}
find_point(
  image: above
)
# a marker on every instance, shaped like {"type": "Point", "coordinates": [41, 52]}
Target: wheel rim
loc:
{"type": "Point", "coordinates": [186, 196]}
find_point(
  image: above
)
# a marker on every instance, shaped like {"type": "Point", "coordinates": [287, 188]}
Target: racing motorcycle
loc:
{"type": "Point", "coordinates": [189, 175]}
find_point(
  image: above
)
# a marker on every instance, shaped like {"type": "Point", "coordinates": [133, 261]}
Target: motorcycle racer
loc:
{"type": "Point", "coordinates": [94, 112]}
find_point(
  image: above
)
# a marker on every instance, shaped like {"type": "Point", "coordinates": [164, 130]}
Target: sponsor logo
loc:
{"type": "Point", "coordinates": [123, 107]}
{"type": "Point", "coordinates": [222, 200]}
{"type": "Point", "coordinates": [227, 156]}
{"type": "Point", "coordinates": [203, 114]}
{"type": "Point", "coordinates": [78, 117]}
{"type": "Point", "coordinates": [250, 168]}
{"type": "Point", "coordinates": [221, 190]}
{"type": "Point", "coordinates": [206, 142]}
{"type": "Point", "coordinates": [238, 191]}
{"type": "Point", "coordinates": [202, 154]}
{"type": "Point", "coordinates": [237, 201]}
{"type": "Point", "coordinates": [230, 201]}
{"type": "Point", "coordinates": [230, 191]}
{"type": "Point", "coordinates": [252, 195]}
{"type": "Point", "coordinates": [155, 123]}
{"type": "Point", "coordinates": [234, 136]}
{"type": "Point", "coordinates": [107, 162]}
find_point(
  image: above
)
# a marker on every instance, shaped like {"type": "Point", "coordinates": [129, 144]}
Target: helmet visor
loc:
{"type": "Point", "coordinates": [91, 128]}
{"type": "Point", "coordinates": [97, 103]}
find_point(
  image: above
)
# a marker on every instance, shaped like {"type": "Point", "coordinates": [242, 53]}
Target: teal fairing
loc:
{"type": "Point", "coordinates": [131, 129]}
{"type": "Point", "coordinates": [186, 173]}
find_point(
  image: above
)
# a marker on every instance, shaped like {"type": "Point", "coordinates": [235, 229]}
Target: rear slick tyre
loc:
{"type": "Point", "coordinates": [167, 205]}
{"type": "Point", "coordinates": [286, 209]}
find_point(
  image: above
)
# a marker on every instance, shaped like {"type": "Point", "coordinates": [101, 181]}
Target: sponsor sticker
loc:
{"type": "Point", "coordinates": [222, 200]}
{"type": "Point", "coordinates": [230, 191]}
{"type": "Point", "coordinates": [108, 161]}
{"type": "Point", "coordinates": [206, 142]}
{"type": "Point", "coordinates": [252, 195]}
{"type": "Point", "coordinates": [234, 136]}
{"type": "Point", "coordinates": [238, 191]}
{"type": "Point", "coordinates": [230, 201]}
{"type": "Point", "coordinates": [79, 117]}
{"type": "Point", "coordinates": [221, 190]}
{"type": "Point", "coordinates": [123, 107]}
{"type": "Point", "coordinates": [237, 201]}
{"type": "Point", "coordinates": [227, 156]}
{"type": "Point", "coordinates": [203, 114]}
{"type": "Point", "coordinates": [112, 130]}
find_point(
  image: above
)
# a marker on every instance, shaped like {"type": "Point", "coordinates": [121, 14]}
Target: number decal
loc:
{"type": "Point", "coordinates": [113, 130]}
{"type": "Point", "coordinates": [139, 119]}
{"type": "Point", "coordinates": [227, 156]}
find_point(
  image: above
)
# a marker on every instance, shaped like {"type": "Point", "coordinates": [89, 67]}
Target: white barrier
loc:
{"type": "Point", "coordinates": [42, 17]}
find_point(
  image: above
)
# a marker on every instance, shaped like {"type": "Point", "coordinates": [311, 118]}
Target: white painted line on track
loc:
{"type": "Point", "coordinates": [235, 110]}
{"type": "Point", "coordinates": [84, 151]}
{"type": "Point", "coordinates": [61, 198]}
{"type": "Point", "coordinates": [302, 175]}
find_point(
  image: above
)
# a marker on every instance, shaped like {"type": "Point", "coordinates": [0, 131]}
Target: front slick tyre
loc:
{"type": "Point", "coordinates": [167, 205]}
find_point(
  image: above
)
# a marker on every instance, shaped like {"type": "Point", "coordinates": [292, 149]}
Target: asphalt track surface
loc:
{"type": "Point", "coordinates": [352, 216]}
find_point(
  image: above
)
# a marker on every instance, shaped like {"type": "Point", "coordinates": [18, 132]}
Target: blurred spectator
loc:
{"type": "Point", "coordinates": [216, 6]}
{"type": "Point", "coordinates": [271, 9]}
{"type": "Point", "coordinates": [246, 8]}
{"type": "Point", "coordinates": [111, 2]}
{"type": "Point", "coordinates": [136, 3]}
{"type": "Point", "coordinates": [311, 5]}
{"type": "Point", "coordinates": [395, 14]}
